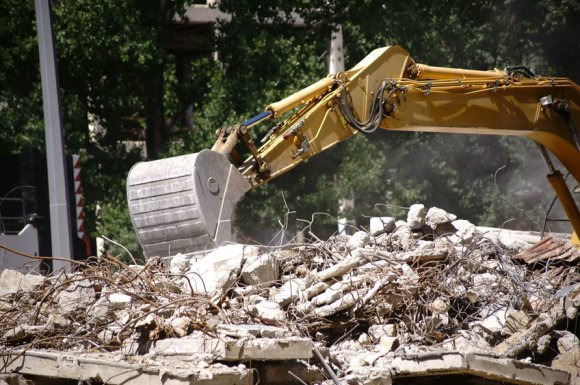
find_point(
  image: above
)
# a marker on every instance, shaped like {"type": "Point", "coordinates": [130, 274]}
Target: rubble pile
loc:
{"type": "Point", "coordinates": [429, 283]}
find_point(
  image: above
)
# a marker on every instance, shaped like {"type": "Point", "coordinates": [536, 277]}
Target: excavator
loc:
{"type": "Point", "coordinates": [184, 204]}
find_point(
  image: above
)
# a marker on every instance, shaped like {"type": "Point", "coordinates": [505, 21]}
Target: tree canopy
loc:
{"type": "Point", "coordinates": [121, 74]}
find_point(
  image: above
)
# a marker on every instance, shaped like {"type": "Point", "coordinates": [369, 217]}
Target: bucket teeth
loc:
{"type": "Point", "coordinates": [185, 203]}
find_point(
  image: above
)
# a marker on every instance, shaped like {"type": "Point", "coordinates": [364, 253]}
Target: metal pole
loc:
{"type": "Point", "coordinates": [60, 220]}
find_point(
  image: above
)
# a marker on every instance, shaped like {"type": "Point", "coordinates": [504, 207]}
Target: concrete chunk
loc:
{"type": "Point", "coordinates": [268, 311]}
{"type": "Point", "coordinates": [436, 216]}
{"type": "Point", "coordinates": [14, 379]}
{"type": "Point", "coordinates": [219, 269]}
{"type": "Point", "coordinates": [119, 300]}
{"type": "Point", "coordinates": [245, 331]}
{"type": "Point", "coordinates": [465, 231]}
{"type": "Point", "coordinates": [77, 296]}
{"type": "Point", "coordinates": [179, 263]}
{"type": "Point", "coordinates": [401, 237]}
{"type": "Point", "coordinates": [416, 216]}
{"type": "Point", "coordinates": [288, 291]}
{"type": "Point", "coordinates": [263, 349]}
{"type": "Point", "coordinates": [377, 331]}
{"type": "Point", "coordinates": [380, 225]}
{"type": "Point", "coordinates": [11, 281]}
{"type": "Point", "coordinates": [568, 342]}
{"type": "Point", "coordinates": [261, 270]}
{"type": "Point", "coordinates": [358, 240]}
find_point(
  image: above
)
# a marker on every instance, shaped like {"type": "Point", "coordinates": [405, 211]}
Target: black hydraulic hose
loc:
{"type": "Point", "coordinates": [376, 112]}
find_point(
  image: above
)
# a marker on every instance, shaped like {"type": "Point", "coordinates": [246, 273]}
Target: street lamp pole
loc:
{"type": "Point", "coordinates": [60, 219]}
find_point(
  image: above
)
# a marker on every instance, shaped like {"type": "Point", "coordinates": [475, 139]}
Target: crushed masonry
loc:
{"type": "Point", "coordinates": [430, 295]}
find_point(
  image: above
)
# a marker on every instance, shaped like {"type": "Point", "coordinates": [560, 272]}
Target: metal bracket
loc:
{"type": "Point", "coordinates": [294, 130]}
{"type": "Point", "coordinates": [562, 107]}
{"type": "Point", "coordinates": [305, 146]}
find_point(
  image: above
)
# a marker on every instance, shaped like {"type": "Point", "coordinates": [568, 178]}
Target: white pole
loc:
{"type": "Point", "coordinates": [336, 57]}
{"type": "Point", "coordinates": [336, 64]}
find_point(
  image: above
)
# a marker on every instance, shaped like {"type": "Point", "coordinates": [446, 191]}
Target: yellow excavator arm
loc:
{"type": "Point", "coordinates": [386, 90]}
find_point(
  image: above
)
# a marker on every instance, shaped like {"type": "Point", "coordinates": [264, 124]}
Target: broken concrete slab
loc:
{"type": "Point", "coordinates": [499, 369]}
{"type": "Point", "coordinates": [115, 370]}
{"type": "Point", "coordinates": [268, 311]}
{"type": "Point", "coordinates": [225, 349]}
{"type": "Point", "coordinates": [257, 330]}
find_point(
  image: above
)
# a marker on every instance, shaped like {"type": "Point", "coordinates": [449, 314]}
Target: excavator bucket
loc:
{"type": "Point", "coordinates": [184, 204]}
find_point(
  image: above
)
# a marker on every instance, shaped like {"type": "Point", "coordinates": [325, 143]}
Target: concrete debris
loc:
{"type": "Point", "coordinates": [229, 349]}
{"type": "Point", "coordinates": [14, 379]}
{"type": "Point", "coordinates": [401, 237]}
{"type": "Point", "coordinates": [465, 231]}
{"type": "Point", "coordinates": [377, 331]}
{"type": "Point", "coordinates": [416, 216]}
{"type": "Point", "coordinates": [12, 281]}
{"type": "Point", "coordinates": [268, 312]}
{"type": "Point", "coordinates": [77, 297]}
{"type": "Point", "coordinates": [397, 301]}
{"type": "Point", "coordinates": [87, 368]}
{"type": "Point", "coordinates": [179, 263]}
{"type": "Point", "coordinates": [180, 326]}
{"type": "Point", "coordinates": [358, 240]}
{"type": "Point", "coordinates": [261, 270]}
{"type": "Point", "coordinates": [380, 225]}
{"type": "Point", "coordinates": [218, 270]}
{"type": "Point", "coordinates": [568, 342]}
{"type": "Point", "coordinates": [119, 300]}
{"type": "Point", "coordinates": [436, 217]}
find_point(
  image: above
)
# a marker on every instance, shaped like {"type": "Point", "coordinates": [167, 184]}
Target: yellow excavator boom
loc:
{"type": "Point", "coordinates": [386, 90]}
